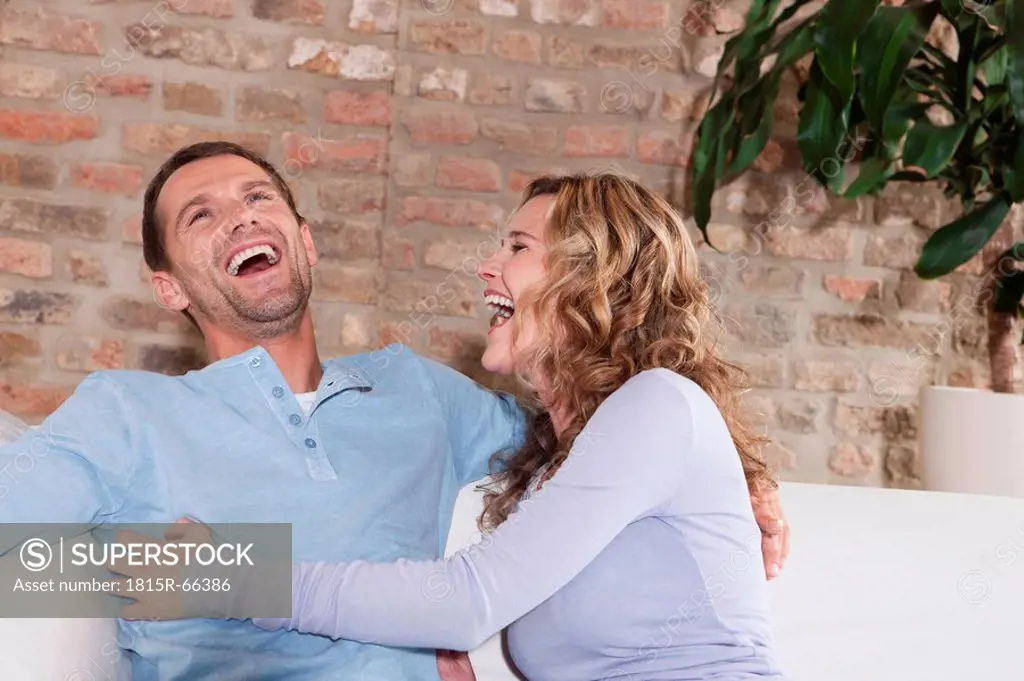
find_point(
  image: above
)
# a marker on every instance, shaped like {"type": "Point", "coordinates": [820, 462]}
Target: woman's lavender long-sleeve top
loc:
{"type": "Point", "coordinates": [639, 559]}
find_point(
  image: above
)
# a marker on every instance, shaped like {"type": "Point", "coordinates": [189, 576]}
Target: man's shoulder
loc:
{"type": "Point", "coordinates": [385, 358]}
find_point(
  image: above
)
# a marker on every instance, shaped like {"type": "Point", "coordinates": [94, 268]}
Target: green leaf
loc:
{"type": "Point", "coordinates": [994, 68]}
{"type": "Point", "coordinates": [795, 45]}
{"type": "Point", "coordinates": [822, 130]}
{"type": "Point", "coordinates": [873, 175]}
{"type": "Point", "coordinates": [1009, 292]}
{"type": "Point", "coordinates": [1015, 56]}
{"type": "Point", "coordinates": [835, 36]}
{"type": "Point", "coordinates": [708, 145]}
{"type": "Point", "coordinates": [1013, 172]}
{"type": "Point", "coordinates": [929, 148]}
{"type": "Point", "coordinates": [890, 40]}
{"type": "Point", "coordinates": [960, 240]}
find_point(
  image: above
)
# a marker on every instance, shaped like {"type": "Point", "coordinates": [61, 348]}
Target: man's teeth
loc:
{"type": "Point", "coordinates": [242, 256]}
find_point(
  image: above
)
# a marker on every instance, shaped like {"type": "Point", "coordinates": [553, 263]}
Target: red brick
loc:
{"type": "Point", "coordinates": [566, 12]}
{"type": "Point", "coordinates": [23, 170]}
{"type": "Point", "coordinates": [428, 300]}
{"type": "Point", "coordinates": [28, 400]}
{"type": "Point", "coordinates": [218, 9]}
{"type": "Point", "coordinates": [663, 148]}
{"type": "Point", "coordinates": [109, 178]}
{"type": "Point", "coordinates": [520, 138]}
{"type": "Point", "coordinates": [521, 46]}
{"type": "Point", "coordinates": [492, 89]}
{"type": "Point", "coordinates": [259, 104]}
{"type": "Point", "coordinates": [31, 82]}
{"type": "Point", "coordinates": [119, 86]}
{"type": "Point", "coordinates": [45, 30]}
{"type": "Point", "coordinates": [357, 333]}
{"type": "Point", "coordinates": [471, 174]}
{"type": "Point", "coordinates": [359, 153]}
{"type": "Point", "coordinates": [28, 258]}
{"type": "Point", "coordinates": [461, 256]}
{"type": "Point", "coordinates": [22, 306]}
{"type": "Point", "coordinates": [596, 140]}
{"type": "Point", "coordinates": [86, 268]}
{"type": "Point", "coordinates": [89, 353]}
{"type": "Point", "coordinates": [454, 344]}
{"type": "Point", "coordinates": [441, 126]}
{"type": "Point", "coordinates": [346, 240]}
{"type": "Point", "coordinates": [829, 243]}
{"type": "Point", "coordinates": [347, 284]}
{"type": "Point", "coordinates": [413, 170]}
{"type": "Point", "coordinates": [26, 215]}
{"type": "Point", "coordinates": [399, 253]}
{"type": "Point", "coordinates": [131, 230]}
{"type": "Point", "coordinates": [309, 12]}
{"type": "Point", "coordinates": [824, 376]}
{"type": "Point", "coordinates": [852, 289]}
{"type": "Point", "coordinates": [347, 196]}
{"type": "Point", "coordinates": [336, 59]}
{"type": "Point", "coordinates": [45, 127]}
{"type": "Point", "coordinates": [234, 51]}
{"type": "Point", "coordinates": [456, 36]}
{"type": "Point", "coordinates": [193, 97]}
{"type": "Point", "coordinates": [374, 16]}
{"type": "Point", "coordinates": [851, 461]}
{"type": "Point", "coordinates": [634, 14]}
{"type": "Point", "coordinates": [443, 85]}
{"type": "Point", "coordinates": [163, 139]}
{"type": "Point", "coordinates": [17, 349]}
{"type": "Point", "coordinates": [450, 212]}
{"type": "Point", "coordinates": [358, 108]}
{"type": "Point", "coordinates": [142, 314]}
{"type": "Point", "coordinates": [519, 179]}
{"type": "Point", "coordinates": [547, 95]}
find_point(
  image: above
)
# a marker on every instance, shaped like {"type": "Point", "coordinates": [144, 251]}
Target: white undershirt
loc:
{"type": "Point", "coordinates": [306, 401]}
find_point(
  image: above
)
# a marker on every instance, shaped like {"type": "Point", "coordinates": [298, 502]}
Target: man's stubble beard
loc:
{"type": "Point", "coordinates": [266, 318]}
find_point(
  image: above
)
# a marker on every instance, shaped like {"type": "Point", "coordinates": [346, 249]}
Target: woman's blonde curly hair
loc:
{"type": "Point", "coordinates": [622, 294]}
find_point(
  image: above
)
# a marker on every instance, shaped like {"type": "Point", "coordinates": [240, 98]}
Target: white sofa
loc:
{"type": "Point", "coordinates": [881, 585]}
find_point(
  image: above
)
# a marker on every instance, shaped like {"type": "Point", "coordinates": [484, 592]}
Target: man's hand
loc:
{"type": "Point", "coordinates": [454, 666]}
{"type": "Point", "coordinates": [774, 531]}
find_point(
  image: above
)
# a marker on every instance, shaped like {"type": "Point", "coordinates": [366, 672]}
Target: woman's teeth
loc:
{"type": "Point", "coordinates": [503, 308]}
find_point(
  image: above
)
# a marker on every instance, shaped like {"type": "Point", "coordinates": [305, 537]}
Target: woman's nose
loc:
{"type": "Point", "coordinates": [489, 268]}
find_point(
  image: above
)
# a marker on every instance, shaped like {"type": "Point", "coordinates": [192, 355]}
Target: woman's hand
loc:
{"type": "Point", "coordinates": [454, 665]}
{"type": "Point", "coordinates": [157, 592]}
{"type": "Point", "coordinates": [774, 531]}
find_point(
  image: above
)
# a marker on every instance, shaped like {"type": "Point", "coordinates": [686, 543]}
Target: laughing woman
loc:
{"type": "Point", "coordinates": [621, 538]}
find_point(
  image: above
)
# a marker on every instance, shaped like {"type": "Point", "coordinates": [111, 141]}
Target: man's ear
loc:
{"type": "Point", "coordinates": [307, 241]}
{"type": "Point", "coordinates": [168, 292]}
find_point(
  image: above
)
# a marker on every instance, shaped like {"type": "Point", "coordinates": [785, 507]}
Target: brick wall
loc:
{"type": "Point", "coordinates": [408, 130]}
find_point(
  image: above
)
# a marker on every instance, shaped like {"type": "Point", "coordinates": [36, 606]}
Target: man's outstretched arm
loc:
{"type": "Point", "coordinates": [76, 467]}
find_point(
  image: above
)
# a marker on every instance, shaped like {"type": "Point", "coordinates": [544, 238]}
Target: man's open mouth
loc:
{"type": "Point", "coordinates": [253, 260]}
{"type": "Point", "coordinates": [503, 308]}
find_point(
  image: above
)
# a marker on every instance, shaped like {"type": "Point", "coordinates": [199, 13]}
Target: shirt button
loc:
{"type": "Point", "coordinates": [295, 419]}
{"type": "Point", "coordinates": [278, 391]}
{"type": "Point", "coordinates": [255, 361]}
{"type": "Point", "coordinates": [310, 442]}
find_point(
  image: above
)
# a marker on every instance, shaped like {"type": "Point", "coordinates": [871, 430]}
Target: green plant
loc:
{"type": "Point", "coordinates": [873, 77]}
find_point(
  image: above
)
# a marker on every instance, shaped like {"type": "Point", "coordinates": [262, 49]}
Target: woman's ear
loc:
{"type": "Point", "coordinates": [168, 292]}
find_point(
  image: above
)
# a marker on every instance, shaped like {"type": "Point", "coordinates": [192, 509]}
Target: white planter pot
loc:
{"type": "Point", "coordinates": [972, 441]}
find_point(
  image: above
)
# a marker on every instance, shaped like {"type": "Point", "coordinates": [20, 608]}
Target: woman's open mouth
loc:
{"type": "Point", "coordinates": [253, 260]}
{"type": "Point", "coordinates": [503, 308]}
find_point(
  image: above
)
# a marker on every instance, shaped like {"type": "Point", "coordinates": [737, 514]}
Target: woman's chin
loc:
{"type": "Point", "coordinates": [497, 360]}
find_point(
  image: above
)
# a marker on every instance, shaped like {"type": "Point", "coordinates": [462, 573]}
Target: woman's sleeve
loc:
{"type": "Point", "coordinates": [628, 461]}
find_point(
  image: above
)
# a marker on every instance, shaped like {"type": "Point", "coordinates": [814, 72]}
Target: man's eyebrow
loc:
{"type": "Point", "coordinates": [194, 201]}
{"type": "Point", "coordinates": [203, 197]}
